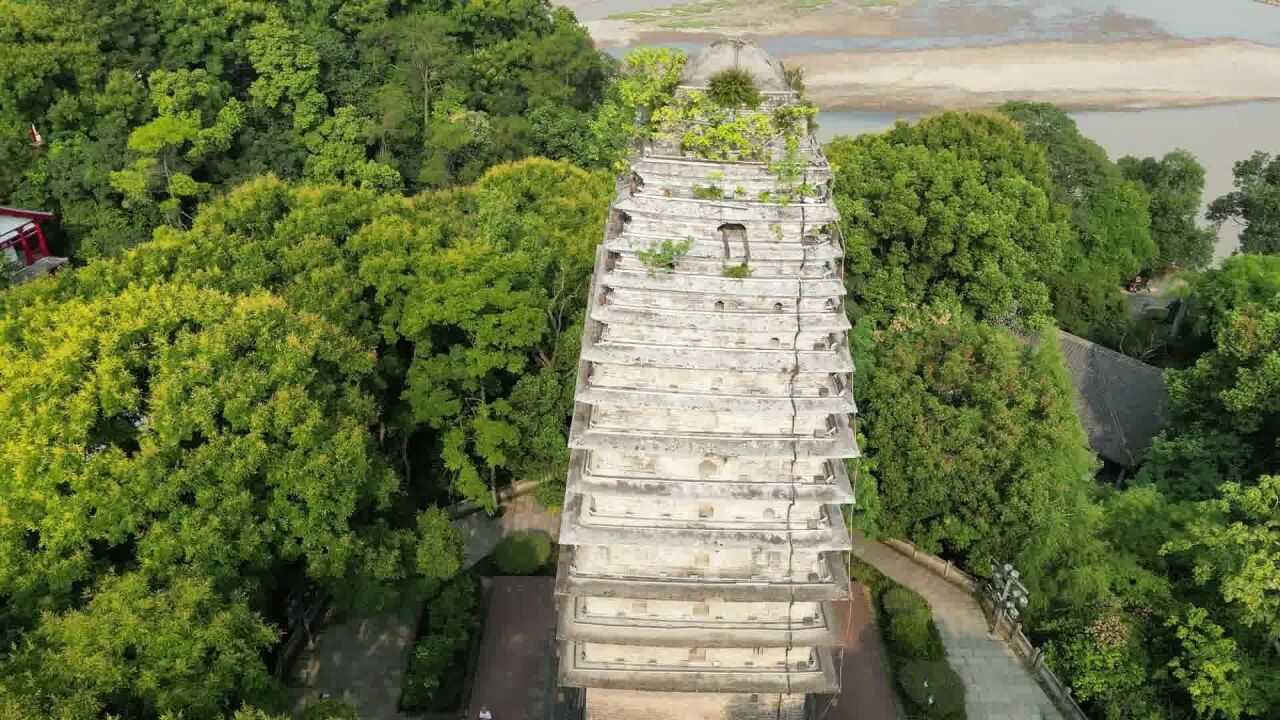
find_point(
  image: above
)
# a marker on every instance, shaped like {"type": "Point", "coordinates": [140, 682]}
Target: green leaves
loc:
{"type": "Point", "coordinates": [1234, 544]}
{"type": "Point", "coordinates": [1224, 410]}
{"type": "Point", "coordinates": [1254, 204]}
{"type": "Point", "coordinates": [1175, 184]}
{"type": "Point", "coordinates": [200, 431]}
{"type": "Point", "coordinates": [171, 146]}
{"type": "Point", "coordinates": [973, 435]}
{"type": "Point", "coordinates": [182, 646]}
{"type": "Point", "coordinates": [288, 71]}
{"type": "Point", "coordinates": [924, 223]}
{"type": "Point", "coordinates": [147, 107]}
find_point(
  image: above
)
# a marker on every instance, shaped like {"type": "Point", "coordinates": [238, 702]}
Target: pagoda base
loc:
{"type": "Point", "coordinates": [605, 704]}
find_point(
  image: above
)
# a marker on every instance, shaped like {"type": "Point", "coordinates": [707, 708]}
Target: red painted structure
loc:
{"type": "Point", "coordinates": [20, 230]}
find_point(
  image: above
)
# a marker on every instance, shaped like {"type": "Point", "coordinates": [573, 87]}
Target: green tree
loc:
{"type": "Point", "coordinates": [975, 439]}
{"type": "Point", "coordinates": [188, 430]}
{"type": "Point", "coordinates": [292, 89]}
{"type": "Point", "coordinates": [170, 148]}
{"type": "Point", "coordinates": [1234, 544]}
{"type": "Point", "coordinates": [437, 663]}
{"type": "Point", "coordinates": [1240, 281]}
{"type": "Point", "coordinates": [182, 647]}
{"type": "Point", "coordinates": [923, 222]}
{"type": "Point", "coordinates": [1225, 415]}
{"type": "Point", "coordinates": [1255, 203]}
{"type": "Point", "coordinates": [341, 154]}
{"type": "Point", "coordinates": [1110, 240]}
{"type": "Point", "coordinates": [646, 82]}
{"type": "Point", "coordinates": [1175, 184]}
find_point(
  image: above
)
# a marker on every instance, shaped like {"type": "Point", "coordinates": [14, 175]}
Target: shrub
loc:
{"type": "Point", "coordinates": [910, 636]}
{"type": "Point", "coordinates": [908, 625]}
{"type": "Point", "coordinates": [664, 257]}
{"type": "Point", "coordinates": [899, 600]}
{"type": "Point", "coordinates": [523, 553]}
{"type": "Point", "coordinates": [734, 87]}
{"type": "Point", "coordinates": [737, 272]}
{"type": "Point", "coordinates": [330, 709]}
{"type": "Point", "coordinates": [708, 192]}
{"type": "Point", "coordinates": [925, 680]}
{"type": "Point", "coordinates": [433, 679]}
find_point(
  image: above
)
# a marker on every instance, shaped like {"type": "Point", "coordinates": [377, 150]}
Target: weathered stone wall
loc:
{"type": "Point", "coordinates": [708, 612]}
{"type": "Point", "coordinates": [639, 705]}
{"type": "Point", "coordinates": [676, 561]}
{"type": "Point", "coordinates": [709, 432]}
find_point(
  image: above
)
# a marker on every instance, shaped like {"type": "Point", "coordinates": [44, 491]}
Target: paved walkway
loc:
{"type": "Point", "coordinates": [865, 692]}
{"type": "Point", "coordinates": [997, 684]}
{"type": "Point", "coordinates": [516, 670]}
{"type": "Point", "coordinates": [363, 659]}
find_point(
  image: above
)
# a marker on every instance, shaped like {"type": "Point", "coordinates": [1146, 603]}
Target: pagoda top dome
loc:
{"type": "Point", "coordinates": [734, 53]}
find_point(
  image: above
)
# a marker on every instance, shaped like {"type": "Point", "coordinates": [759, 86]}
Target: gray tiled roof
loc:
{"type": "Point", "coordinates": [1121, 401]}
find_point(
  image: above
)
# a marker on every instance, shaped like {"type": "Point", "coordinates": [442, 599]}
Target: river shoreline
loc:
{"type": "Point", "coordinates": [1120, 75]}
{"type": "Point", "coordinates": [1129, 75]}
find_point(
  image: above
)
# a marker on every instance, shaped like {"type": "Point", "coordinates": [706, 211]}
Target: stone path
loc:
{"type": "Point", "coordinates": [865, 691]}
{"type": "Point", "coordinates": [997, 684]}
{"type": "Point", "coordinates": [363, 659]}
{"type": "Point", "coordinates": [516, 671]}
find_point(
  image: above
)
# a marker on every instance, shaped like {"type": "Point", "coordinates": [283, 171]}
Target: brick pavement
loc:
{"type": "Point", "coordinates": [865, 691]}
{"type": "Point", "coordinates": [516, 669]}
{"type": "Point", "coordinates": [997, 684]}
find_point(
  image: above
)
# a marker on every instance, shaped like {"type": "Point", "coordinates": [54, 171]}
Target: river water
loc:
{"type": "Point", "coordinates": [1217, 135]}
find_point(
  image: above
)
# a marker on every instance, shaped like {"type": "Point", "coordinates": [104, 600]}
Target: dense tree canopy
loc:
{"type": "Point", "coordinates": [1225, 411]}
{"type": "Point", "coordinates": [952, 208]}
{"type": "Point", "coordinates": [1152, 602]}
{"type": "Point", "coordinates": [1110, 240]}
{"type": "Point", "coordinates": [196, 447]}
{"type": "Point", "coordinates": [1175, 184]}
{"type": "Point", "coordinates": [976, 442]}
{"type": "Point", "coordinates": [1255, 203]}
{"type": "Point", "coordinates": [472, 298]}
{"type": "Point", "coordinates": [148, 107]}
{"type": "Point", "coordinates": [208, 447]}
{"type": "Point", "coordinates": [1240, 281]}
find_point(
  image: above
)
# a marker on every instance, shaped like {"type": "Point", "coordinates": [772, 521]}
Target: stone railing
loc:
{"type": "Point", "coordinates": [1031, 656]}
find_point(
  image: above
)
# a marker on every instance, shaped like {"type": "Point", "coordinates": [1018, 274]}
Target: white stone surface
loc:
{"type": "Point", "coordinates": [702, 526]}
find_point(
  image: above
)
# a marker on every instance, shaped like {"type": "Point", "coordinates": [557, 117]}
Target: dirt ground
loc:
{"type": "Point", "coordinates": [1076, 76]}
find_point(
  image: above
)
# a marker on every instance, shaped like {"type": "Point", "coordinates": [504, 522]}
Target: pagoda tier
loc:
{"type": "Point", "coordinates": [703, 540]}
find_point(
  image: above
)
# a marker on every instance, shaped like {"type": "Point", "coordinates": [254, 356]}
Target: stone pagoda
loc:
{"type": "Point", "coordinates": [703, 543]}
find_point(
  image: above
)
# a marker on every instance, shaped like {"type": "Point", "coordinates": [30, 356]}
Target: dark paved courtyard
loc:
{"type": "Point", "coordinates": [865, 693]}
{"type": "Point", "coordinates": [515, 672]}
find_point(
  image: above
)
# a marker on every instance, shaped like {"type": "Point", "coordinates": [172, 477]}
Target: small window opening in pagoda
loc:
{"type": "Point", "coordinates": [734, 238]}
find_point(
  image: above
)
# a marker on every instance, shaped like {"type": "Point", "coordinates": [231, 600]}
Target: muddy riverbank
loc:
{"type": "Point", "coordinates": [1077, 76]}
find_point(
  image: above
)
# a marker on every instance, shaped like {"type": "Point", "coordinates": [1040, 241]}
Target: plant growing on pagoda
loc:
{"type": "Point", "coordinates": [794, 77]}
{"type": "Point", "coordinates": [738, 272]}
{"type": "Point", "coordinates": [734, 87]}
{"type": "Point", "coordinates": [663, 257]}
{"type": "Point", "coordinates": [646, 83]}
{"type": "Point", "coordinates": [707, 192]}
